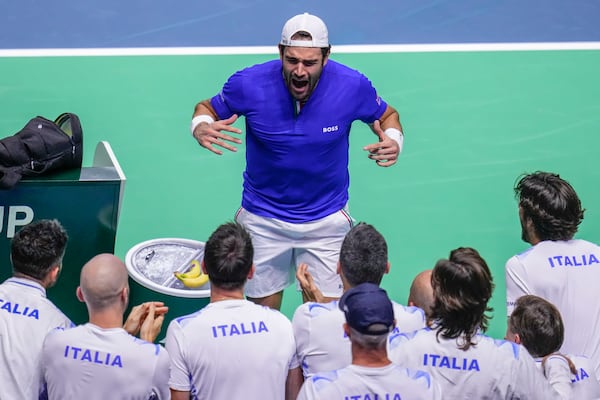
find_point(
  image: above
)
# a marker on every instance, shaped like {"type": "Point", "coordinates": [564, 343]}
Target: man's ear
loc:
{"type": "Point", "coordinates": [79, 294]}
{"type": "Point", "coordinates": [387, 267]}
{"type": "Point", "coordinates": [53, 274]}
{"type": "Point", "coordinates": [281, 51]}
{"type": "Point", "coordinates": [347, 330]}
{"type": "Point", "coordinates": [326, 57]}
{"type": "Point", "coordinates": [517, 338]}
{"type": "Point", "coordinates": [339, 268]}
{"type": "Point", "coordinates": [251, 273]}
{"type": "Point", "coordinates": [203, 265]}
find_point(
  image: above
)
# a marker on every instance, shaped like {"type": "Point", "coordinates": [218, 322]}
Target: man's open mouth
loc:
{"type": "Point", "coordinates": [299, 84]}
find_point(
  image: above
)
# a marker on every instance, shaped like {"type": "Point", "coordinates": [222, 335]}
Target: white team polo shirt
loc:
{"type": "Point", "coordinates": [566, 273]}
{"type": "Point", "coordinates": [89, 362]}
{"type": "Point", "coordinates": [322, 345]}
{"type": "Point", "coordinates": [231, 349]}
{"type": "Point", "coordinates": [584, 384]}
{"type": "Point", "coordinates": [26, 316]}
{"type": "Point", "coordinates": [363, 383]}
{"type": "Point", "coordinates": [491, 369]}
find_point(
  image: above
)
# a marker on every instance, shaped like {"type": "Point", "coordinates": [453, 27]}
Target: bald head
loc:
{"type": "Point", "coordinates": [102, 281]}
{"type": "Point", "coordinates": [421, 292]}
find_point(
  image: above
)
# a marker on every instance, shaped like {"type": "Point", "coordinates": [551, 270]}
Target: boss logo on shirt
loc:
{"type": "Point", "coordinates": [329, 129]}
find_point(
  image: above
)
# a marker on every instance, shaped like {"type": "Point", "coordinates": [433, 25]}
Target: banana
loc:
{"type": "Point", "coordinates": [192, 282]}
{"type": "Point", "coordinates": [194, 272]}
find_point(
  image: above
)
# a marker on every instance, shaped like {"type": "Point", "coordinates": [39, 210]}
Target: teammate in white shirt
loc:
{"type": "Point", "coordinates": [100, 360]}
{"type": "Point", "coordinates": [558, 268]}
{"type": "Point", "coordinates": [26, 315]}
{"type": "Point", "coordinates": [537, 325]}
{"type": "Point", "coordinates": [466, 363]}
{"type": "Point", "coordinates": [369, 318]}
{"type": "Point", "coordinates": [232, 348]}
{"type": "Point", "coordinates": [321, 343]}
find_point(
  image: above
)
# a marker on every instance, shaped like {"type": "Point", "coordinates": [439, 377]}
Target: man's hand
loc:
{"type": "Point", "coordinates": [139, 316]}
{"type": "Point", "coordinates": [386, 151]}
{"type": "Point", "coordinates": [310, 291]}
{"type": "Point", "coordinates": [152, 323]}
{"type": "Point", "coordinates": [208, 135]}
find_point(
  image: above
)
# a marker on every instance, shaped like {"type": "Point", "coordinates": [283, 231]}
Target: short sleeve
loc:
{"type": "Point", "coordinates": [300, 327]}
{"type": "Point", "coordinates": [372, 106]}
{"type": "Point", "coordinates": [162, 374]}
{"type": "Point", "coordinates": [307, 391]}
{"type": "Point", "coordinates": [516, 284]}
{"type": "Point", "coordinates": [179, 375]}
{"type": "Point", "coordinates": [231, 99]}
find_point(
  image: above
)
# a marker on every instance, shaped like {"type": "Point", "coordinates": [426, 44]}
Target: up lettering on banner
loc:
{"type": "Point", "coordinates": [14, 216]}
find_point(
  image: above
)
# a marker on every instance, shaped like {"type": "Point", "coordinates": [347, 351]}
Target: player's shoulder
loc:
{"type": "Point", "coordinates": [183, 320]}
{"type": "Point", "coordinates": [335, 67]}
{"type": "Point", "coordinates": [261, 69]}
{"type": "Point", "coordinates": [412, 312]}
{"type": "Point", "coordinates": [314, 310]}
{"type": "Point", "coordinates": [584, 244]}
{"type": "Point", "coordinates": [418, 377]}
{"type": "Point", "coordinates": [151, 349]}
{"type": "Point", "coordinates": [500, 348]}
{"type": "Point", "coordinates": [268, 313]}
{"type": "Point", "coordinates": [62, 334]}
{"type": "Point", "coordinates": [397, 338]}
{"type": "Point", "coordinates": [322, 379]}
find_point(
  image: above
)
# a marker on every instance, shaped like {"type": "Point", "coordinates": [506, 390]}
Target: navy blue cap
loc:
{"type": "Point", "coordinates": [368, 309]}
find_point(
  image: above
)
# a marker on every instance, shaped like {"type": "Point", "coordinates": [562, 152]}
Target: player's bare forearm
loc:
{"type": "Point", "coordinates": [205, 108]}
{"type": "Point", "coordinates": [390, 119]}
{"type": "Point", "coordinates": [293, 383]}
{"type": "Point", "coordinates": [179, 395]}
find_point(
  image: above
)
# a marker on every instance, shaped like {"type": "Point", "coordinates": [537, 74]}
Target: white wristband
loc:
{"type": "Point", "coordinates": [198, 119]}
{"type": "Point", "coordinates": [396, 135]}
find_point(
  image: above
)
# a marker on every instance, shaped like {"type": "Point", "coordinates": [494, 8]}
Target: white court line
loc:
{"type": "Point", "coordinates": [366, 48]}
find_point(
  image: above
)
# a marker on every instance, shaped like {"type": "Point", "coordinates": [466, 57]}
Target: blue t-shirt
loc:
{"type": "Point", "coordinates": [297, 165]}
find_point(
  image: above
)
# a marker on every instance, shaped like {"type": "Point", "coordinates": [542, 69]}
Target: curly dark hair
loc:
{"type": "Point", "coordinates": [38, 247]}
{"type": "Point", "coordinates": [462, 286]}
{"type": "Point", "coordinates": [551, 204]}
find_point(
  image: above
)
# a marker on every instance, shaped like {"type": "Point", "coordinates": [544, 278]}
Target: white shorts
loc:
{"type": "Point", "coordinates": [279, 247]}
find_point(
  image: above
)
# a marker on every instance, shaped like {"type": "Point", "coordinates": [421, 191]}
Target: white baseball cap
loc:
{"type": "Point", "coordinates": [307, 23]}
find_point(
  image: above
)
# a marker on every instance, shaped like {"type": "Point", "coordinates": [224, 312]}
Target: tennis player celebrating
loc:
{"type": "Point", "coordinates": [299, 110]}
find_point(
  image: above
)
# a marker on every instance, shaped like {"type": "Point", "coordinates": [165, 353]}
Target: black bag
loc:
{"type": "Point", "coordinates": [40, 147]}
